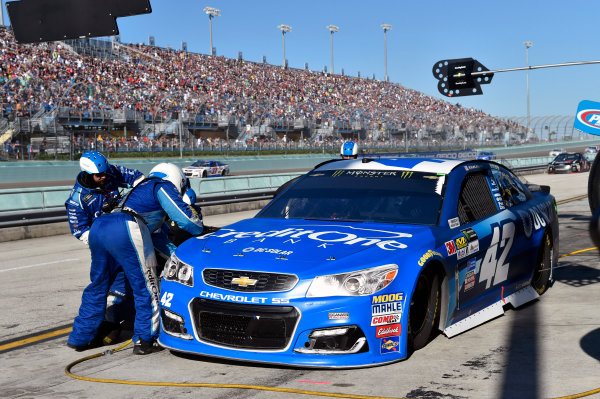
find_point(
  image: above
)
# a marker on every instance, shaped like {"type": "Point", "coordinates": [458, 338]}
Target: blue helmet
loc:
{"type": "Point", "coordinates": [93, 162]}
{"type": "Point", "coordinates": [349, 149]}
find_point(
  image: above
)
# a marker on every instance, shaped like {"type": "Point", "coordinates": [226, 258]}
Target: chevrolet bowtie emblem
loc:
{"type": "Point", "coordinates": [243, 281]}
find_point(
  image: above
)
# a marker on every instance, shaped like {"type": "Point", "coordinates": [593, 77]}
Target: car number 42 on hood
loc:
{"type": "Point", "coordinates": [494, 266]}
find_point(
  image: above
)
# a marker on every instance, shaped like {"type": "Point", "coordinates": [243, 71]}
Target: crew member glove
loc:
{"type": "Point", "coordinates": [84, 238]}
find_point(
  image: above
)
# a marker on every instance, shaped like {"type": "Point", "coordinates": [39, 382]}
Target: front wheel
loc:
{"type": "Point", "coordinates": [541, 274]}
{"type": "Point", "coordinates": [424, 312]}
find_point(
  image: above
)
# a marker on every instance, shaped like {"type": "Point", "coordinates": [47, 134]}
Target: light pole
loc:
{"type": "Point", "coordinates": [332, 29]}
{"type": "Point", "coordinates": [385, 27]}
{"type": "Point", "coordinates": [212, 12]}
{"type": "Point", "coordinates": [527, 45]}
{"type": "Point", "coordinates": [284, 29]}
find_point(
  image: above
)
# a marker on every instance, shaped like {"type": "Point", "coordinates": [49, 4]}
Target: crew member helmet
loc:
{"type": "Point", "coordinates": [349, 149]}
{"type": "Point", "coordinates": [170, 172]}
{"type": "Point", "coordinates": [93, 162]}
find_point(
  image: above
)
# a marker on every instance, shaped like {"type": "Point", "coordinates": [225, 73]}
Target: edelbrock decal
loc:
{"type": "Point", "coordinates": [388, 331]}
{"type": "Point", "coordinates": [386, 240]}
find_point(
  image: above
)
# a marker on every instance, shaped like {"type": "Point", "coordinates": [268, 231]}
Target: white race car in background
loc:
{"type": "Point", "coordinates": [204, 168]}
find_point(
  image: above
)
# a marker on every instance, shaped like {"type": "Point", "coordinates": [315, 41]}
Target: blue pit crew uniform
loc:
{"type": "Point", "coordinates": [125, 237]}
{"type": "Point", "coordinates": [85, 205]}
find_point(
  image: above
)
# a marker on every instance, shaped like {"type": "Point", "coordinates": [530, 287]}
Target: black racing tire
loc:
{"type": "Point", "coordinates": [223, 172]}
{"type": "Point", "coordinates": [204, 174]}
{"type": "Point", "coordinates": [424, 311]}
{"type": "Point", "coordinates": [541, 274]}
{"type": "Point", "coordinates": [594, 184]}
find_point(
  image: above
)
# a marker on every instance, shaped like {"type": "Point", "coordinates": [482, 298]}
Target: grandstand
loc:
{"type": "Point", "coordinates": [83, 88]}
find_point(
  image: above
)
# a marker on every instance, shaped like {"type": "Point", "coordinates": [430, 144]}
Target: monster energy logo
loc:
{"type": "Point", "coordinates": [337, 173]}
{"type": "Point", "coordinates": [406, 175]}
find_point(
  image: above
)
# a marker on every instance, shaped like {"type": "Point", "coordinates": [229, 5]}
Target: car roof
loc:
{"type": "Point", "coordinates": [431, 165]}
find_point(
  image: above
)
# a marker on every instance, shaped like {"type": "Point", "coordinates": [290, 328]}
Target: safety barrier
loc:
{"type": "Point", "coordinates": [42, 199]}
{"type": "Point", "coordinates": [15, 203]}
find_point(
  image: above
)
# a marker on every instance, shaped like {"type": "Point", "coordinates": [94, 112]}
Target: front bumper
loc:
{"type": "Point", "coordinates": [560, 168]}
{"type": "Point", "coordinates": [266, 328]}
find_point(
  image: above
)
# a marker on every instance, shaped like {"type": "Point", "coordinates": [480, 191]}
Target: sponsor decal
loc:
{"type": "Point", "coordinates": [390, 345]}
{"type": "Point", "coordinates": [454, 223]}
{"type": "Point", "coordinates": [469, 281]}
{"type": "Point", "coordinates": [339, 315]}
{"type": "Point", "coordinates": [462, 253]}
{"type": "Point", "coordinates": [471, 264]}
{"type": "Point", "coordinates": [386, 308]}
{"type": "Point", "coordinates": [375, 173]}
{"type": "Point", "coordinates": [473, 247]}
{"type": "Point", "coordinates": [470, 234]}
{"type": "Point", "coordinates": [499, 201]}
{"type": "Point", "coordinates": [461, 242]}
{"type": "Point", "coordinates": [450, 247]}
{"type": "Point", "coordinates": [428, 255]}
{"type": "Point", "coordinates": [385, 319]}
{"type": "Point", "coordinates": [88, 197]}
{"type": "Point", "coordinates": [471, 167]}
{"type": "Point", "coordinates": [388, 297]}
{"type": "Point", "coordinates": [267, 251]}
{"type": "Point", "coordinates": [388, 331]}
{"type": "Point", "coordinates": [588, 117]}
{"type": "Point", "coordinates": [386, 240]}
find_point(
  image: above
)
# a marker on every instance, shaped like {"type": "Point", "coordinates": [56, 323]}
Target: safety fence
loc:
{"type": "Point", "coordinates": [24, 206]}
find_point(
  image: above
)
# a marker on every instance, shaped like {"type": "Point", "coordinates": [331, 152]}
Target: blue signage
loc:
{"type": "Point", "coordinates": [588, 117]}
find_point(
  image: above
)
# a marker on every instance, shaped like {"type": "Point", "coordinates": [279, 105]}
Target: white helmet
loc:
{"type": "Point", "coordinates": [172, 173]}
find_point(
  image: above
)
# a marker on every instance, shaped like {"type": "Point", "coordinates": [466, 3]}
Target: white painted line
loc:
{"type": "Point", "coordinates": [39, 264]}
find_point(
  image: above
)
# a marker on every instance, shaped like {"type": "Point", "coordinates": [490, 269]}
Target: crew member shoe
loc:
{"type": "Point", "coordinates": [80, 348]}
{"type": "Point", "coordinates": [142, 347]}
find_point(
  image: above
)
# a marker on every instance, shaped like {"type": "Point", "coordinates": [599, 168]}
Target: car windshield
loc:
{"type": "Point", "coordinates": [566, 157]}
{"type": "Point", "coordinates": [201, 163]}
{"type": "Point", "coordinates": [384, 196]}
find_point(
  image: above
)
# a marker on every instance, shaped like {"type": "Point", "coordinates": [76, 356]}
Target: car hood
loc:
{"type": "Point", "coordinates": [306, 247]}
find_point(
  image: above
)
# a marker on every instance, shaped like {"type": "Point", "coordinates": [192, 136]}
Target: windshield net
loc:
{"type": "Point", "coordinates": [362, 195]}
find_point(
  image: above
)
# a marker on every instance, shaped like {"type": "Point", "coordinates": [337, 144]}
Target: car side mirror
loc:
{"type": "Point", "coordinates": [538, 187]}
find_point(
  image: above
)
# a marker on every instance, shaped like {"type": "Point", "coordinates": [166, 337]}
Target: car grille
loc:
{"type": "Point", "coordinates": [266, 282]}
{"type": "Point", "coordinates": [244, 326]}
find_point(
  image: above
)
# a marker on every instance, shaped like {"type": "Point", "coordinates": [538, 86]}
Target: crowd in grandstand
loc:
{"type": "Point", "coordinates": [156, 80]}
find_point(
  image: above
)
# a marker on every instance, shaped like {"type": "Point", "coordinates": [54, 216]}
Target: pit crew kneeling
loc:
{"type": "Point", "coordinates": [124, 238]}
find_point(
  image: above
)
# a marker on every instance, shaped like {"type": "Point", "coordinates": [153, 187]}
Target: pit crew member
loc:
{"type": "Point", "coordinates": [124, 236]}
{"type": "Point", "coordinates": [96, 190]}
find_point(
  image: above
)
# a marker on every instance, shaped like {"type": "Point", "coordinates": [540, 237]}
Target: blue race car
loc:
{"type": "Point", "coordinates": [361, 262]}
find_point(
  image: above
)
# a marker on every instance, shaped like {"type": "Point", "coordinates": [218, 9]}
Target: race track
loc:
{"type": "Point", "coordinates": [546, 349]}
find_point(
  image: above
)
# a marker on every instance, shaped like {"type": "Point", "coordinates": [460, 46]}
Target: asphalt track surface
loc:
{"type": "Point", "coordinates": [546, 349]}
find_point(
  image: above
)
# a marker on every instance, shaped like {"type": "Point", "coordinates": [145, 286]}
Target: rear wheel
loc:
{"type": "Point", "coordinates": [204, 174]}
{"type": "Point", "coordinates": [541, 274]}
{"type": "Point", "coordinates": [424, 313]}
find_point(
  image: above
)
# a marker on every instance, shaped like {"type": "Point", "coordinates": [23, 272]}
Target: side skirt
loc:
{"type": "Point", "coordinates": [496, 309]}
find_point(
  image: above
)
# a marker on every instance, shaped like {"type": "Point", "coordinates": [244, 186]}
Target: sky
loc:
{"type": "Point", "coordinates": [423, 32]}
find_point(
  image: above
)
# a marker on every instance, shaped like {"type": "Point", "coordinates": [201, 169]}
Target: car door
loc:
{"type": "Point", "coordinates": [489, 231]}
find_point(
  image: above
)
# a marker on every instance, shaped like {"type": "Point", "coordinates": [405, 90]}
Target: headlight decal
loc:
{"type": "Point", "coordinates": [178, 271]}
{"type": "Point", "coordinates": [358, 283]}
